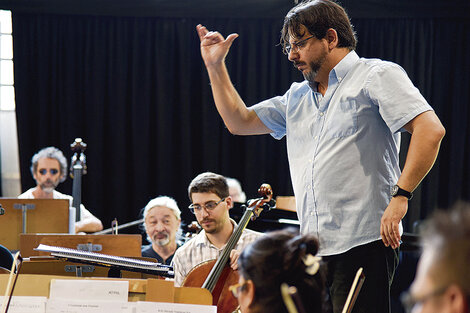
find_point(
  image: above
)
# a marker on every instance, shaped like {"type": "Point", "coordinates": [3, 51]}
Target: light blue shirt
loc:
{"type": "Point", "coordinates": [343, 147]}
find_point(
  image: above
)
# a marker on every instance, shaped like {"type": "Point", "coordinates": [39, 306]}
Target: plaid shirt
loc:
{"type": "Point", "coordinates": [200, 249]}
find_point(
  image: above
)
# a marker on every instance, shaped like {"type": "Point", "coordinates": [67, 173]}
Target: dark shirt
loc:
{"type": "Point", "coordinates": [147, 251]}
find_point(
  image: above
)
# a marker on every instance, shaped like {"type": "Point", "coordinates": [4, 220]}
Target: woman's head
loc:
{"type": "Point", "coordinates": [276, 258]}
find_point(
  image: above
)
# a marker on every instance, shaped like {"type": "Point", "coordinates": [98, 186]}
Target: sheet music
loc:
{"type": "Point", "coordinates": [161, 307]}
{"type": "Point", "coordinates": [89, 289]}
{"type": "Point", "coordinates": [77, 306]}
{"type": "Point", "coordinates": [109, 260]}
{"type": "Point", "coordinates": [27, 304]}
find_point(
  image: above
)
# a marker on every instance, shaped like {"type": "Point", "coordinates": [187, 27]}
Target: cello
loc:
{"type": "Point", "coordinates": [77, 169]}
{"type": "Point", "coordinates": [216, 275]}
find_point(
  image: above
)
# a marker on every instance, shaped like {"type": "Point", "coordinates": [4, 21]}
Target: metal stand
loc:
{"type": "Point", "coordinates": [24, 207]}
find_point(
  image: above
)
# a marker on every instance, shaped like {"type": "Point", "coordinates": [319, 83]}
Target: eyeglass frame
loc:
{"type": "Point", "coordinates": [409, 302]}
{"type": "Point", "coordinates": [236, 288]}
{"type": "Point", "coordinates": [299, 44]}
{"type": "Point", "coordinates": [191, 207]}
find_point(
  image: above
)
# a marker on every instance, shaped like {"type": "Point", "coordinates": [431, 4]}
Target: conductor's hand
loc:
{"type": "Point", "coordinates": [214, 47]}
{"type": "Point", "coordinates": [234, 254]}
{"type": "Point", "coordinates": [389, 230]}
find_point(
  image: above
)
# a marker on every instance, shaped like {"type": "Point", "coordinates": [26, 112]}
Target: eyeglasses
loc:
{"type": "Point", "coordinates": [411, 303]}
{"type": "Point", "coordinates": [53, 171]}
{"type": "Point", "coordinates": [296, 46]}
{"type": "Point", "coordinates": [235, 289]}
{"type": "Point", "coordinates": [208, 206]}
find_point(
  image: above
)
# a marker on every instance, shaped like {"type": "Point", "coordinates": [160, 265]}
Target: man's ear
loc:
{"type": "Point", "coordinates": [34, 175]}
{"type": "Point", "coordinates": [229, 202]}
{"type": "Point", "coordinates": [456, 298]}
{"type": "Point", "coordinates": [332, 38]}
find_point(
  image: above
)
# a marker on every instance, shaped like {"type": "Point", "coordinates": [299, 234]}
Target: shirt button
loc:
{"type": "Point", "coordinates": [321, 113]}
{"type": "Point", "coordinates": [316, 137]}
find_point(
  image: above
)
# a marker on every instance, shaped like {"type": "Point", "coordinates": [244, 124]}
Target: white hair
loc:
{"type": "Point", "coordinates": [165, 202]}
{"type": "Point", "coordinates": [234, 184]}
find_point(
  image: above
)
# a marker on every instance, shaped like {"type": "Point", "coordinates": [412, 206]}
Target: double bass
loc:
{"type": "Point", "coordinates": [216, 275]}
{"type": "Point", "coordinates": [77, 169]}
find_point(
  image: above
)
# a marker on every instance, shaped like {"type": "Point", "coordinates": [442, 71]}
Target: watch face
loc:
{"type": "Point", "coordinates": [394, 190]}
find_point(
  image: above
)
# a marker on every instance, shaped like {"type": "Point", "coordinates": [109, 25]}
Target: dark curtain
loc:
{"type": "Point", "coordinates": [136, 90]}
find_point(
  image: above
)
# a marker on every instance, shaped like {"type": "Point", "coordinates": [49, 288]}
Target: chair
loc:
{"type": "Point", "coordinates": [6, 258]}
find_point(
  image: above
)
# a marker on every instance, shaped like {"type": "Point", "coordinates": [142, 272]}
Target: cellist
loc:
{"type": "Point", "coordinates": [209, 194]}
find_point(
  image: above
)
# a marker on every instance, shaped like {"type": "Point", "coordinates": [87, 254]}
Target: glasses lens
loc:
{"type": "Point", "coordinates": [211, 205]}
{"type": "Point", "coordinates": [53, 171]}
{"type": "Point", "coordinates": [43, 171]}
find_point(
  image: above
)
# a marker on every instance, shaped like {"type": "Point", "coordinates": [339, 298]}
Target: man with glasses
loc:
{"type": "Point", "coordinates": [49, 168]}
{"type": "Point", "coordinates": [209, 194]}
{"type": "Point", "coordinates": [342, 125]}
{"type": "Point", "coordinates": [442, 282]}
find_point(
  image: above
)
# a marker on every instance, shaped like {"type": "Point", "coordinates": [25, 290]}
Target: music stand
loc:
{"type": "Point", "coordinates": [32, 216]}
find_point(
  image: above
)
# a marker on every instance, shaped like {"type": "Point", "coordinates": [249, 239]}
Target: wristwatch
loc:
{"type": "Point", "coordinates": [397, 191]}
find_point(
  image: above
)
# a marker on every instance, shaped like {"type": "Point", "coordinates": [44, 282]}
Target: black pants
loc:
{"type": "Point", "coordinates": [378, 263]}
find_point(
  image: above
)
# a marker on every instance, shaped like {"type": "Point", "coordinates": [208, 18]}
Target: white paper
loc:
{"type": "Point", "coordinates": [90, 289]}
{"type": "Point", "coordinates": [26, 304]}
{"type": "Point", "coordinates": [163, 307]}
{"type": "Point", "coordinates": [88, 306]}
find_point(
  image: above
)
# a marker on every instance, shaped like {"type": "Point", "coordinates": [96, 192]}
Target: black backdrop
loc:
{"type": "Point", "coordinates": [130, 81]}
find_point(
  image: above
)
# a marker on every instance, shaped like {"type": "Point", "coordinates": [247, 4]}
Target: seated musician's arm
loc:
{"type": "Point", "coordinates": [88, 223]}
{"type": "Point", "coordinates": [178, 268]}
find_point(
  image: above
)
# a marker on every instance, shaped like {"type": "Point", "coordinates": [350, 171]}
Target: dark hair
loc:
{"type": "Point", "coordinates": [209, 182]}
{"type": "Point", "coordinates": [277, 258]}
{"type": "Point", "coordinates": [447, 234]}
{"type": "Point", "coordinates": [318, 16]}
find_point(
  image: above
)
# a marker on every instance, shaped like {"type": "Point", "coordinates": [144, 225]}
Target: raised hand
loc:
{"type": "Point", "coordinates": [214, 48]}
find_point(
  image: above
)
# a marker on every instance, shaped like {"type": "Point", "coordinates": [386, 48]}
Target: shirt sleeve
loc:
{"type": "Point", "coordinates": [178, 269]}
{"type": "Point", "coordinates": [399, 101]}
{"type": "Point", "coordinates": [272, 113]}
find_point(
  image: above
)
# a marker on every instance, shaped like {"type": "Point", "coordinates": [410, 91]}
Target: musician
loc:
{"type": "Point", "coordinates": [49, 168]}
{"type": "Point", "coordinates": [442, 282]}
{"type": "Point", "coordinates": [276, 258]}
{"type": "Point", "coordinates": [235, 190]}
{"type": "Point", "coordinates": [343, 125]}
{"type": "Point", "coordinates": [211, 202]}
{"type": "Point", "coordinates": [162, 219]}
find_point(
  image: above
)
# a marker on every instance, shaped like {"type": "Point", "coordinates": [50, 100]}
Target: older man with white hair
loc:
{"type": "Point", "coordinates": [162, 219]}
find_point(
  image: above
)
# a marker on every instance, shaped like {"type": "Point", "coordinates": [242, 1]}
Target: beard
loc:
{"type": "Point", "coordinates": [310, 75]}
{"type": "Point", "coordinates": [161, 241]}
{"type": "Point", "coordinates": [214, 227]}
{"type": "Point", "coordinates": [314, 67]}
{"type": "Point", "coordinates": [49, 186]}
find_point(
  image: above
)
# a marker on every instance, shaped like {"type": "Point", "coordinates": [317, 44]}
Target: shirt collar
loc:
{"type": "Point", "coordinates": [343, 67]}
